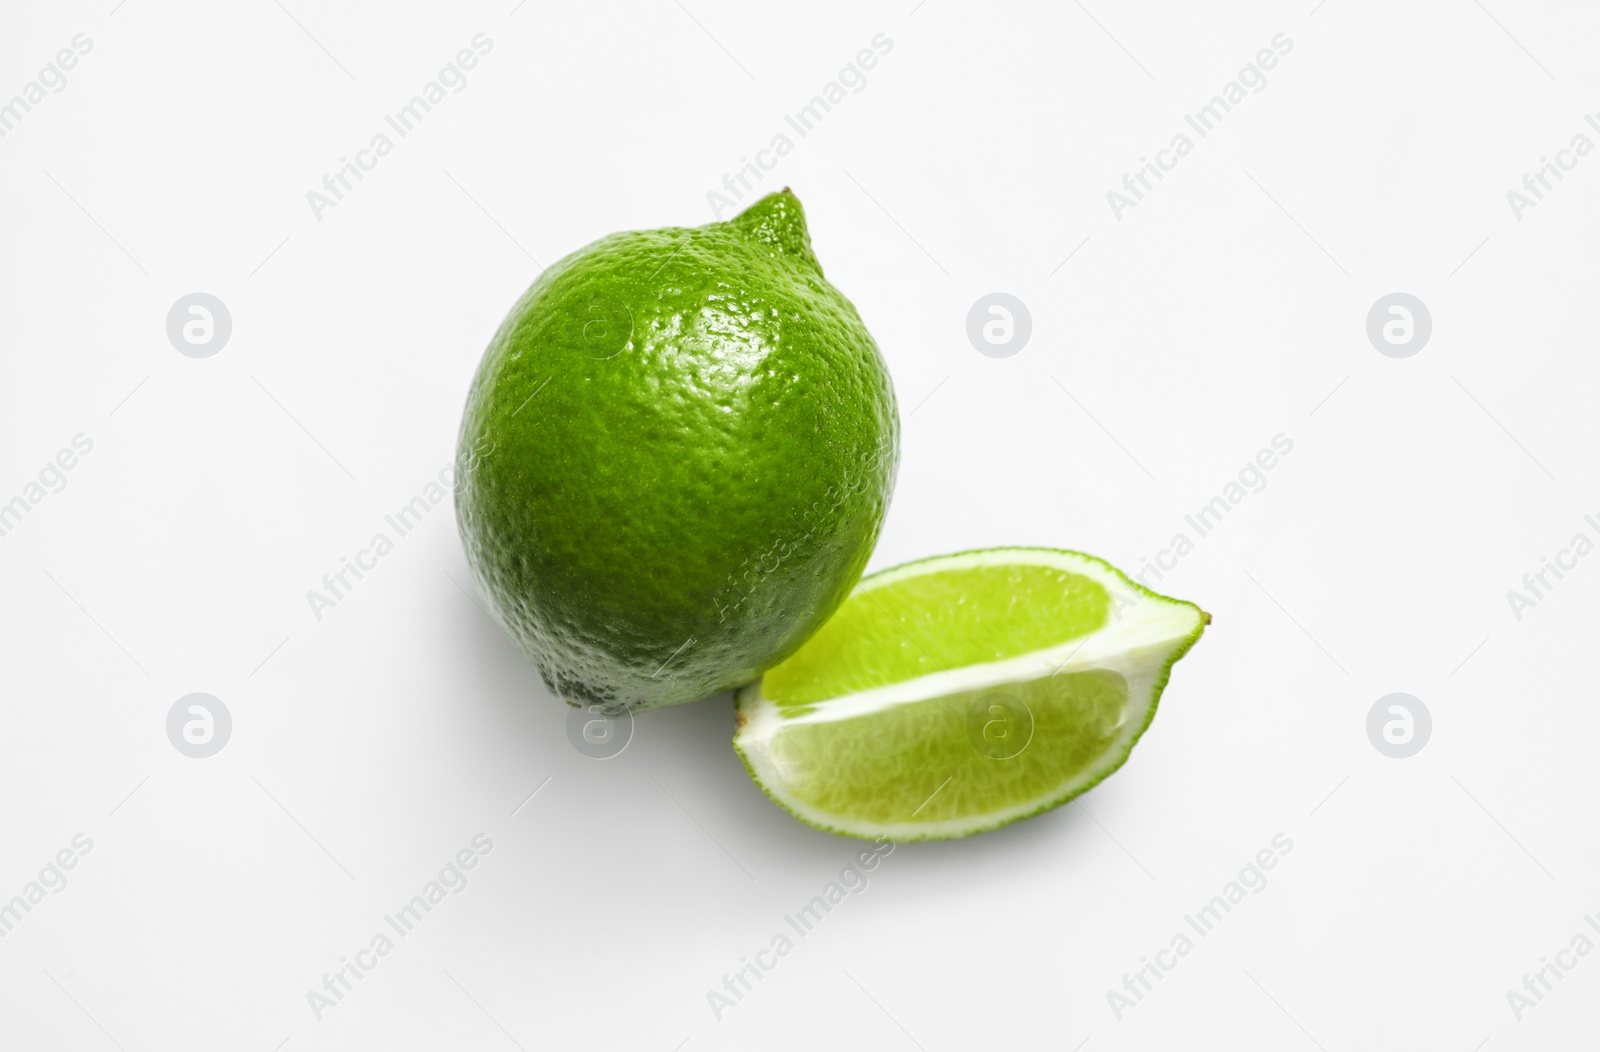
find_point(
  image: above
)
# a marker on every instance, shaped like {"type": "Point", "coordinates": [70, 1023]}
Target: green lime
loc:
{"type": "Point", "coordinates": [675, 458]}
{"type": "Point", "coordinates": [958, 694]}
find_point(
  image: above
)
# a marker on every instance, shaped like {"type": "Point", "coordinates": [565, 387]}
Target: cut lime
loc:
{"type": "Point", "coordinates": [955, 695]}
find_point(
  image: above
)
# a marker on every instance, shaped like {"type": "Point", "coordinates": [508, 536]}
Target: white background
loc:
{"type": "Point", "coordinates": [1175, 342]}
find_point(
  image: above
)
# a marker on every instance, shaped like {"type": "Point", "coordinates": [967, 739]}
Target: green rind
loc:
{"type": "Point", "coordinates": [1158, 687]}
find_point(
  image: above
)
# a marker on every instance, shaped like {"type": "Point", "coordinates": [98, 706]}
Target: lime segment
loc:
{"type": "Point", "coordinates": [958, 694]}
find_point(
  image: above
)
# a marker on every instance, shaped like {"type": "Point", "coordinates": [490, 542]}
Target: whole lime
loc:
{"type": "Point", "coordinates": [675, 459]}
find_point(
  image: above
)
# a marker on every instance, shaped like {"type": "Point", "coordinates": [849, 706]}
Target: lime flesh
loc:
{"type": "Point", "coordinates": [955, 695]}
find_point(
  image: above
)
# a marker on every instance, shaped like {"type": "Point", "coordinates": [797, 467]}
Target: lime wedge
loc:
{"type": "Point", "coordinates": [958, 694]}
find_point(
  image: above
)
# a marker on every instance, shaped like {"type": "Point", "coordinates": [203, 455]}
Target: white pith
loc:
{"type": "Point", "coordinates": [1137, 642]}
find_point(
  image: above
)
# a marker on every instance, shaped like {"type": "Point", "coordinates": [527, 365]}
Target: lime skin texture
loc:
{"type": "Point", "coordinates": [675, 459]}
